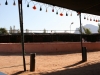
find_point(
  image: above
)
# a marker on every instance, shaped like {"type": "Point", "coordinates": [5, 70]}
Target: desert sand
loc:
{"type": "Point", "coordinates": [52, 64]}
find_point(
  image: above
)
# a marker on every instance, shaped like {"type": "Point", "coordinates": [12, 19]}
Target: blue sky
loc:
{"type": "Point", "coordinates": [38, 20]}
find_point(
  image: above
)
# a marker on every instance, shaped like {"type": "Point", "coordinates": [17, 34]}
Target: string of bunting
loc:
{"type": "Point", "coordinates": [56, 9]}
{"type": "Point", "coordinates": [91, 18]}
{"type": "Point", "coordinates": [14, 3]}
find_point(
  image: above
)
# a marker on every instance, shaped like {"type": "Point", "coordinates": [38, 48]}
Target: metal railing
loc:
{"type": "Point", "coordinates": [42, 31]}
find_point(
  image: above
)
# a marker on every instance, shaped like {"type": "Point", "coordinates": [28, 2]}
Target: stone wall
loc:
{"type": "Point", "coordinates": [49, 47]}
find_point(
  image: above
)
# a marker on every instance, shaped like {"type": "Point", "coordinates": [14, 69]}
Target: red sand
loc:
{"type": "Point", "coordinates": [52, 64]}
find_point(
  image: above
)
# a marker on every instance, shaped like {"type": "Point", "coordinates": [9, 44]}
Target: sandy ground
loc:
{"type": "Point", "coordinates": [52, 64]}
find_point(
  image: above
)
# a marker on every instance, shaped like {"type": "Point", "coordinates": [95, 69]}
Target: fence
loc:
{"type": "Point", "coordinates": [48, 37]}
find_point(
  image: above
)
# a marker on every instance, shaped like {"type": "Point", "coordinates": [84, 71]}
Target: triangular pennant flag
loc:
{"type": "Point", "coordinates": [71, 14]}
{"type": "Point", "coordinates": [78, 13]}
{"type": "Point", "coordinates": [90, 19]}
{"type": "Point", "coordinates": [14, 3]}
{"type": "Point", "coordinates": [46, 10]}
{"type": "Point", "coordinates": [57, 12]}
{"type": "Point", "coordinates": [52, 10]}
{"type": "Point", "coordinates": [66, 14]}
{"type": "Point", "coordinates": [94, 20]}
{"type": "Point", "coordinates": [6, 3]}
{"type": "Point", "coordinates": [40, 9]}
{"type": "Point", "coordinates": [84, 17]}
{"type": "Point", "coordinates": [61, 14]}
{"type": "Point", "coordinates": [34, 7]}
{"type": "Point", "coordinates": [28, 5]}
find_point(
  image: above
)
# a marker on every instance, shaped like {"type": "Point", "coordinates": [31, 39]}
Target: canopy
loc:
{"type": "Point", "coordinates": [84, 6]}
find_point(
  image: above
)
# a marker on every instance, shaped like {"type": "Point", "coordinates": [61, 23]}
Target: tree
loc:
{"type": "Point", "coordinates": [18, 31]}
{"type": "Point", "coordinates": [44, 31]}
{"type": "Point", "coordinates": [99, 28]}
{"type": "Point", "coordinates": [3, 31]}
{"type": "Point", "coordinates": [27, 31]}
{"type": "Point", "coordinates": [86, 30]}
{"type": "Point", "coordinates": [14, 29]}
{"type": "Point", "coordinates": [10, 31]}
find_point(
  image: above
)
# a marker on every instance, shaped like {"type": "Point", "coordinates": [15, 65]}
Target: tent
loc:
{"type": "Point", "coordinates": [84, 6]}
{"type": "Point", "coordinates": [81, 6]}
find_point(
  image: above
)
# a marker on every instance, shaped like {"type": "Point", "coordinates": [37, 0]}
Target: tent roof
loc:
{"type": "Point", "coordinates": [84, 6]}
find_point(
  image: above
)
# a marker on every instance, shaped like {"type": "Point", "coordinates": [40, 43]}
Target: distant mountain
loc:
{"type": "Point", "coordinates": [93, 28]}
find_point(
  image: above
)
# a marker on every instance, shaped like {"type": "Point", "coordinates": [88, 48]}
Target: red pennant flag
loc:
{"type": "Point", "coordinates": [61, 14]}
{"type": "Point", "coordinates": [52, 10]}
{"type": "Point", "coordinates": [90, 19]}
{"type": "Point", "coordinates": [96, 20]}
{"type": "Point", "coordinates": [34, 7]}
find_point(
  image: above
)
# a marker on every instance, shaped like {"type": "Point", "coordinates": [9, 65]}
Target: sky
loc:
{"type": "Point", "coordinates": [40, 20]}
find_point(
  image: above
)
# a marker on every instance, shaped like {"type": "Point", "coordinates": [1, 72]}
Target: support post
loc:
{"type": "Point", "coordinates": [81, 33]}
{"type": "Point", "coordinates": [21, 28]}
{"type": "Point", "coordinates": [84, 54]}
{"type": "Point", "coordinates": [32, 61]}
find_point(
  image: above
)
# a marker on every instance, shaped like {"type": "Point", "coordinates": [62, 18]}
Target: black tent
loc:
{"type": "Point", "coordinates": [84, 6]}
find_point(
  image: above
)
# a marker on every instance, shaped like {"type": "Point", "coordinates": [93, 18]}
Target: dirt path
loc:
{"type": "Point", "coordinates": [52, 64]}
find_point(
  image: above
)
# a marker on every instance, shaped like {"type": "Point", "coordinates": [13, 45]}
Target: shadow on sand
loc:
{"type": "Point", "coordinates": [93, 69]}
{"type": "Point", "coordinates": [17, 73]}
{"type": "Point", "coordinates": [13, 66]}
{"type": "Point", "coordinates": [88, 69]}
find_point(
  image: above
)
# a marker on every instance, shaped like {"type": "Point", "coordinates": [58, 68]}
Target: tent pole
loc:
{"type": "Point", "coordinates": [21, 28]}
{"type": "Point", "coordinates": [80, 30]}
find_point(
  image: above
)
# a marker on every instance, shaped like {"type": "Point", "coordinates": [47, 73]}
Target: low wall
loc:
{"type": "Point", "coordinates": [49, 47]}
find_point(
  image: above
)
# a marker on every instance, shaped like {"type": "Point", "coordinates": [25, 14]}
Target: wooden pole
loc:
{"type": "Point", "coordinates": [21, 28]}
